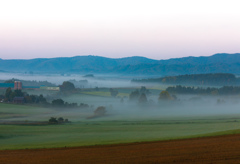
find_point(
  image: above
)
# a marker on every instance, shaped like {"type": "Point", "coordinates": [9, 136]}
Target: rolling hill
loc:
{"type": "Point", "coordinates": [224, 63]}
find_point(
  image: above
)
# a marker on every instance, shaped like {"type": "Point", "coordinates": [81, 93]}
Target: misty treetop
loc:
{"type": "Point", "coordinates": [99, 112]}
{"type": "Point", "coordinates": [31, 99]}
{"type": "Point", "coordinates": [139, 95]}
{"type": "Point", "coordinates": [218, 79]}
{"type": "Point", "coordinates": [142, 99]}
{"type": "Point", "coordinates": [67, 86]}
{"type": "Point", "coordinates": [164, 95]}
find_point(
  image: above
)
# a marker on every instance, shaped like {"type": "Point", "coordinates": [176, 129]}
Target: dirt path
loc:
{"type": "Point", "coordinates": [220, 149]}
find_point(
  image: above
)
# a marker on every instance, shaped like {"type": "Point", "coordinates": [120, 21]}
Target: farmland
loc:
{"type": "Point", "coordinates": [128, 127]}
{"type": "Point", "coordinates": [106, 130]}
{"type": "Point", "coordinates": [219, 149]}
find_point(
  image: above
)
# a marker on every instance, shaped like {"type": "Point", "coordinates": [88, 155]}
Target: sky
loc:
{"type": "Point", "coordinates": [157, 29]}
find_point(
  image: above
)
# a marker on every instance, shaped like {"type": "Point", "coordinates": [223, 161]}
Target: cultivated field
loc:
{"type": "Point", "coordinates": [220, 149]}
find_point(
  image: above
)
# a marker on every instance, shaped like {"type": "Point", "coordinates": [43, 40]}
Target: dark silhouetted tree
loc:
{"type": "Point", "coordinates": [143, 89]}
{"type": "Point", "coordinates": [8, 94]}
{"type": "Point", "coordinates": [142, 99]}
{"type": "Point", "coordinates": [60, 120]}
{"type": "Point", "coordinates": [53, 120]}
{"type": "Point", "coordinates": [58, 103]}
{"type": "Point", "coordinates": [134, 96]}
{"type": "Point", "coordinates": [42, 99]}
{"type": "Point", "coordinates": [67, 87]}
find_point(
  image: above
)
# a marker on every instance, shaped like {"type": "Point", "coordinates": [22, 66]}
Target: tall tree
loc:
{"type": "Point", "coordinates": [8, 94]}
{"type": "Point", "coordinates": [164, 95]}
{"type": "Point", "coordinates": [142, 99]}
{"type": "Point", "coordinates": [134, 95]}
{"type": "Point", "coordinates": [67, 86]}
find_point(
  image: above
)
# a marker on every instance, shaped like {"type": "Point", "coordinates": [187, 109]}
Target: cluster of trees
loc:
{"type": "Point", "coordinates": [100, 111]}
{"type": "Point", "coordinates": [164, 95]}
{"type": "Point", "coordinates": [80, 83]}
{"type": "Point", "coordinates": [195, 79]}
{"type": "Point", "coordinates": [139, 95]}
{"type": "Point", "coordinates": [89, 75]}
{"type": "Point", "coordinates": [225, 90]}
{"type": "Point", "coordinates": [59, 103]}
{"type": "Point", "coordinates": [10, 95]}
{"type": "Point", "coordinates": [35, 99]}
{"type": "Point", "coordinates": [60, 120]}
{"type": "Point", "coordinates": [67, 87]}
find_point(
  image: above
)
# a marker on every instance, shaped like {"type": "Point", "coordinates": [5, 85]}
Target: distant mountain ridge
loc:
{"type": "Point", "coordinates": [216, 58]}
{"type": "Point", "coordinates": [136, 65]}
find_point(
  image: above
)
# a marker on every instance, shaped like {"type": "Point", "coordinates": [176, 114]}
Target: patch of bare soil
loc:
{"type": "Point", "coordinates": [219, 149]}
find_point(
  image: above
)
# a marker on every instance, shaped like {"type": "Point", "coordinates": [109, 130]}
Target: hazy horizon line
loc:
{"type": "Point", "coordinates": [115, 58]}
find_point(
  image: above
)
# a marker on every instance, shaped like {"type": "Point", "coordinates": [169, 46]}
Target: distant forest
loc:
{"type": "Point", "coordinates": [213, 79]}
{"type": "Point", "coordinates": [226, 90]}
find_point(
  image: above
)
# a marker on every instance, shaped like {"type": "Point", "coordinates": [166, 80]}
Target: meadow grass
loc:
{"type": "Point", "coordinates": [104, 130]}
{"type": "Point", "coordinates": [10, 111]}
{"type": "Point", "coordinates": [24, 109]}
{"type": "Point", "coordinates": [110, 132]}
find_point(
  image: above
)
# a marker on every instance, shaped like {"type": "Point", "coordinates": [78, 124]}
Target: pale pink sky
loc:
{"type": "Point", "coordinates": [157, 29]}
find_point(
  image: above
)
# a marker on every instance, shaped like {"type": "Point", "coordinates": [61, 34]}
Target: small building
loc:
{"type": "Point", "coordinates": [53, 88]}
{"type": "Point", "coordinates": [18, 100]}
{"type": "Point", "coordinates": [17, 85]}
{"type": "Point", "coordinates": [50, 88]}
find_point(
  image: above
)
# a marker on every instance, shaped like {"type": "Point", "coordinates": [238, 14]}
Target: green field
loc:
{"type": "Point", "coordinates": [95, 133]}
{"type": "Point", "coordinates": [12, 111]}
{"type": "Point", "coordinates": [105, 131]}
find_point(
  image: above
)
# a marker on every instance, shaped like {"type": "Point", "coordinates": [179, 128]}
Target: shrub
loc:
{"type": "Point", "coordinates": [53, 120]}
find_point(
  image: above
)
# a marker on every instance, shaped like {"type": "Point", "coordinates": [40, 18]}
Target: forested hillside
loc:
{"type": "Point", "coordinates": [224, 63]}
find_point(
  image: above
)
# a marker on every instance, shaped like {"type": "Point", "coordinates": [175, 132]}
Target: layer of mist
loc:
{"type": "Point", "coordinates": [121, 108]}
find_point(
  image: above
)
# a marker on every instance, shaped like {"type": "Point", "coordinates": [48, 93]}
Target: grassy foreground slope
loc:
{"type": "Point", "coordinates": [108, 132]}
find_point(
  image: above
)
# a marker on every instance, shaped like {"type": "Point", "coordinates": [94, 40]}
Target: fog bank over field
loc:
{"type": "Point", "coordinates": [120, 107]}
{"type": "Point", "coordinates": [57, 79]}
{"type": "Point", "coordinates": [190, 107]}
{"type": "Point", "coordinates": [184, 108]}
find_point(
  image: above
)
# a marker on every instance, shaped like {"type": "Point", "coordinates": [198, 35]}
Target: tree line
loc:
{"type": "Point", "coordinates": [225, 90]}
{"type": "Point", "coordinates": [218, 79]}
{"type": "Point", "coordinates": [39, 99]}
{"type": "Point", "coordinates": [140, 96]}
